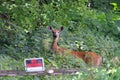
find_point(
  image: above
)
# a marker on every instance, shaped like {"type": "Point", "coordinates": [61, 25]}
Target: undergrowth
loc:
{"type": "Point", "coordinates": [24, 34]}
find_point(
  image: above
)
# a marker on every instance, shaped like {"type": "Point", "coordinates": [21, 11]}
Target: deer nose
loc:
{"type": "Point", "coordinates": [54, 36]}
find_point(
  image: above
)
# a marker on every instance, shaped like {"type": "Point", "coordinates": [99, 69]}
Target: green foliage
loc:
{"type": "Point", "coordinates": [115, 6]}
{"type": "Point", "coordinates": [24, 34]}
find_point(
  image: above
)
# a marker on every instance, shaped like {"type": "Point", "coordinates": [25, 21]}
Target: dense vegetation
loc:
{"type": "Point", "coordinates": [90, 25]}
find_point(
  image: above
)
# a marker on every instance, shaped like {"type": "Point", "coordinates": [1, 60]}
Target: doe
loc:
{"type": "Point", "coordinates": [90, 58]}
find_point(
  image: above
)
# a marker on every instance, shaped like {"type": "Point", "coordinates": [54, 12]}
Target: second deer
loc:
{"type": "Point", "coordinates": [90, 58]}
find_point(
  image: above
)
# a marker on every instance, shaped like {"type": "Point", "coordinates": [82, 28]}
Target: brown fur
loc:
{"type": "Point", "coordinates": [89, 57]}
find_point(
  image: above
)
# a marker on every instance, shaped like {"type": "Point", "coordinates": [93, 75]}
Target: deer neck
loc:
{"type": "Point", "coordinates": [55, 46]}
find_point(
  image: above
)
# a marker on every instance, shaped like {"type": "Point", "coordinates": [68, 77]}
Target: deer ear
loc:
{"type": "Point", "coordinates": [50, 28]}
{"type": "Point", "coordinates": [61, 28]}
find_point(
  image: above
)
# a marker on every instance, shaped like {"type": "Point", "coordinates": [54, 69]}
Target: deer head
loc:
{"type": "Point", "coordinates": [56, 33]}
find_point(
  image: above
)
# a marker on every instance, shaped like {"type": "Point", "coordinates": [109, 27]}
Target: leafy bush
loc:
{"type": "Point", "coordinates": [24, 34]}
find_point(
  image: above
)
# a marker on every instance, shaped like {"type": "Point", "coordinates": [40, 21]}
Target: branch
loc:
{"type": "Point", "coordinates": [47, 72]}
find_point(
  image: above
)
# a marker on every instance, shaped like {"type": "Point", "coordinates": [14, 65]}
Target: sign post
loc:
{"type": "Point", "coordinates": [34, 64]}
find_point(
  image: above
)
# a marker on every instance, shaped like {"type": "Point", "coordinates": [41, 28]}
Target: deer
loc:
{"type": "Point", "coordinates": [90, 58]}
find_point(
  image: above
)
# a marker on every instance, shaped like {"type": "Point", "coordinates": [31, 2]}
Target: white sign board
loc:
{"type": "Point", "coordinates": [34, 64]}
